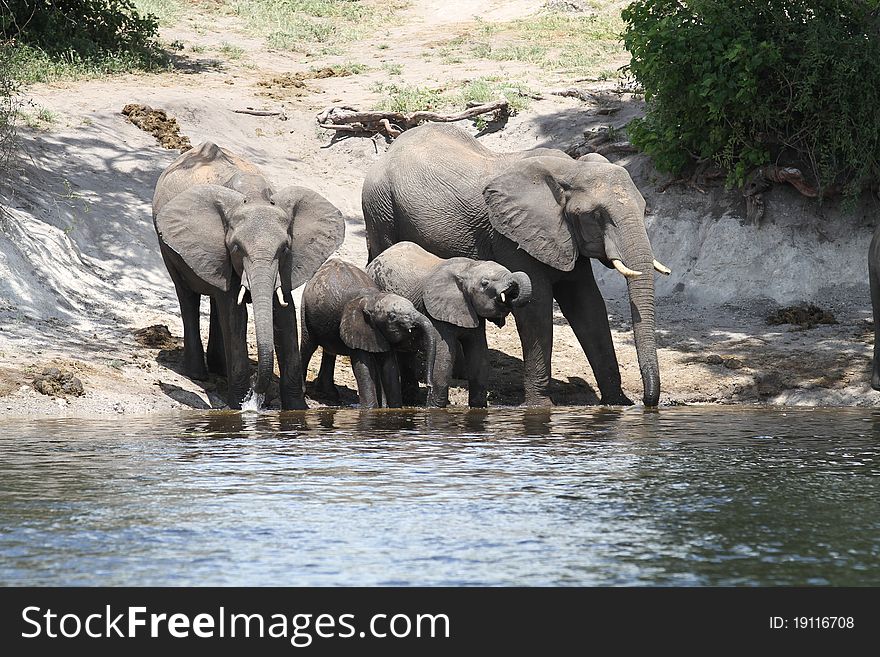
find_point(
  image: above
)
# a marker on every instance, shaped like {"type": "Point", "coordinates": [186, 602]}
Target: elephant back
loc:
{"type": "Point", "coordinates": [334, 284]}
{"type": "Point", "coordinates": [206, 164]}
{"type": "Point", "coordinates": [403, 269]}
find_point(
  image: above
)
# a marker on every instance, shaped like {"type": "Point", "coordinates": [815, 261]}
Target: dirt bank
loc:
{"type": "Point", "coordinates": [80, 270]}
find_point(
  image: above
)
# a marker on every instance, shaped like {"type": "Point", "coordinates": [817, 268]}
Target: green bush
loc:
{"type": "Point", "coordinates": [8, 104]}
{"type": "Point", "coordinates": [81, 33]}
{"type": "Point", "coordinates": [759, 81]}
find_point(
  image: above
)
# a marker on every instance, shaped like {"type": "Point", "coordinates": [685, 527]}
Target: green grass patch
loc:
{"type": "Point", "coordinates": [231, 51]}
{"type": "Point", "coordinates": [413, 98]}
{"type": "Point", "coordinates": [29, 64]}
{"type": "Point", "coordinates": [348, 68]}
{"type": "Point", "coordinates": [303, 24]}
{"type": "Point", "coordinates": [488, 89]}
{"type": "Point", "coordinates": [392, 69]}
{"type": "Point", "coordinates": [409, 98]}
{"type": "Point", "coordinates": [167, 12]}
{"type": "Point", "coordinates": [577, 43]}
{"type": "Point", "coordinates": [37, 117]}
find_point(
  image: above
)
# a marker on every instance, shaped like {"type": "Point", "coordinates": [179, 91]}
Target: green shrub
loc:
{"type": "Point", "coordinates": [79, 33]}
{"type": "Point", "coordinates": [747, 83]}
{"type": "Point", "coordinates": [8, 104]}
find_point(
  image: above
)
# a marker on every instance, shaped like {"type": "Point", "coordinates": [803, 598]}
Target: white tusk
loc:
{"type": "Point", "coordinates": [503, 300]}
{"type": "Point", "coordinates": [280, 297]}
{"type": "Point", "coordinates": [663, 269]}
{"type": "Point", "coordinates": [623, 269]}
{"type": "Point", "coordinates": [241, 294]}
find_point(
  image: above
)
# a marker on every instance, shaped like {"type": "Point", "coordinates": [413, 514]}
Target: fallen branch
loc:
{"type": "Point", "coordinates": [789, 175]}
{"type": "Point", "coordinates": [617, 147]}
{"type": "Point", "coordinates": [392, 124]}
{"type": "Point", "coordinates": [574, 92]}
{"type": "Point", "coordinates": [258, 112]}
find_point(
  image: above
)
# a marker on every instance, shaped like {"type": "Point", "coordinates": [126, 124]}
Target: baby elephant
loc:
{"type": "Point", "coordinates": [459, 295]}
{"type": "Point", "coordinates": [345, 313]}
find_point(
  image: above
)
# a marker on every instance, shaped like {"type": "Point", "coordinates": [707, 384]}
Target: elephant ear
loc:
{"type": "Point", "coordinates": [316, 230]}
{"type": "Point", "coordinates": [356, 330]}
{"type": "Point", "coordinates": [527, 205]}
{"type": "Point", "coordinates": [193, 225]}
{"type": "Point", "coordinates": [444, 296]}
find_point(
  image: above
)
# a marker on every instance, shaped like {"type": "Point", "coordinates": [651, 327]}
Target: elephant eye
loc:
{"type": "Point", "coordinates": [485, 283]}
{"type": "Point", "coordinates": [271, 202]}
{"type": "Point", "coordinates": [234, 248]}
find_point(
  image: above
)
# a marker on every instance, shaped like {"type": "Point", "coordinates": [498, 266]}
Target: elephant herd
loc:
{"type": "Point", "coordinates": [457, 235]}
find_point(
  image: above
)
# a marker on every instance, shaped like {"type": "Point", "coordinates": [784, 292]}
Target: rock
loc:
{"type": "Point", "coordinates": [733, 363]}
{"type": "Point", "coordinates": [714, 359]}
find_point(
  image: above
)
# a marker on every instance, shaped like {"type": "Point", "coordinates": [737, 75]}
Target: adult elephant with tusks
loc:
{"type": "Point", "coordinates": [539, 212]}
{"type": "Point", "coordinates": [225, 232]}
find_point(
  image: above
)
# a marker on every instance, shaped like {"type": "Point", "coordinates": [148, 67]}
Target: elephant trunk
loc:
{"type": "Point", "coordinates": [263, 280]}
{"type": "Point", "coordinates": [636, 252]}
{"type": "Point", "coordinates": [429, 336]}
{"type": "Point", "coordinates": [518, 290]}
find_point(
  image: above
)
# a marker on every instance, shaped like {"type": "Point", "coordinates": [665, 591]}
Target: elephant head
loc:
{"type": "Point", "coordinates": [559, 209]}
{"type": "Point", "coordinates": [375, 321]}
{"type": "Point", "coordinates": [249, 240]}
{"type": "Point", "coordinates": [461, 291]}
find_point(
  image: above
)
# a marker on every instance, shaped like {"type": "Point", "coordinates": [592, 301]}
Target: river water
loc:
{"type": "Point", "coordinates": [563, 496]}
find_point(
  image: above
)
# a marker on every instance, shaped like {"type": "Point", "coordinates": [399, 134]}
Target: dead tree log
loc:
{"type": "Point", "coordinates": [392, 124]}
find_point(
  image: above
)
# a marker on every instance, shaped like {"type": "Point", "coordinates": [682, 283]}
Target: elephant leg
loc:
{"type": "Point", "coordinates": [476, 354]}
{"type": "Point", "coordinates": [584, 308]}
{"type": "Point", "coordinates": [367, 376]}
{"type": "Point", "coordinates": [875, 304]}
{"type": "Point", "coordinates": [460, 366]}
{"type": "Point", "coordinates": [389, 375]}
{"type": "Point", "coordinates": [447, 346]}
{"type": "Point", "coordinates": [324, 386]}
{"type": "Point", "coordinates": [233, 321]}
{"type": "Point", "coordinates": [307, 349]}
{"type": "Point", "coordinates": [286, 340]}
{"type": "Point", "coordinates": [534, 323]}
{"type": "Point", "coordinates": [193, 351]}
{"type": "Point", "coordinates": [408, 363]}
{"type": "Point", "coordinates": [216, 350]}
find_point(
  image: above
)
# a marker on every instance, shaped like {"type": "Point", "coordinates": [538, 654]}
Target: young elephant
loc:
{"type": "Point", "coordinates": [346, 314]}
{"type": "Point", "coordinates": [459, 295]}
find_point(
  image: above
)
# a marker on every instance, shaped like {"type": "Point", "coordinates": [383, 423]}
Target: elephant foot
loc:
{"type": "Point", "coordinates": [326, 393]}
{"type": "Point", "coordinates": [411, 399]}
{"type": "Point", "coordinates": [438, 397]}
{"type": "Point", "coordinates": [293, 403]}
{"type": "Point", "coordinates": [537, 401]}
{"type": "Point", "coordinates": [216, 365]}
{"type": "Point", "coordinates": [616, 399]}
{"type": "Point", "coordinates": [477, 399]}
{"type": "Point", "coordinates": [196, 373]}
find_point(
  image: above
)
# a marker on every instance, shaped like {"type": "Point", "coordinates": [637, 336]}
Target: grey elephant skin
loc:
{"type": "Point", "coordinates": [458, 295]}
{"type": "Point", "coordinates": [540, 212]}
{"type": "Point", "coordinates": [225, 232]}
{"type": "Point", "coordinates": [346, 314]}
